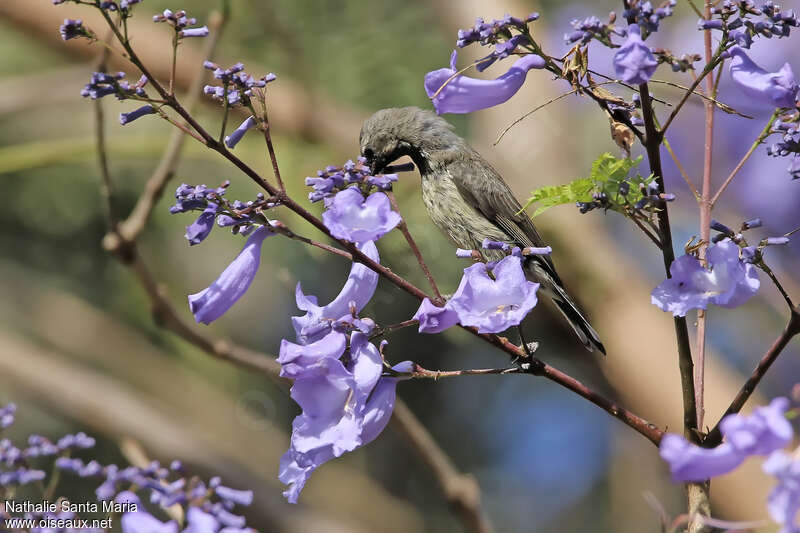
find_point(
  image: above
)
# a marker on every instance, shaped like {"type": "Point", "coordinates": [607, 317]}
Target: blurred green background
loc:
{"type": "Point", "coordinates": [79, 348]}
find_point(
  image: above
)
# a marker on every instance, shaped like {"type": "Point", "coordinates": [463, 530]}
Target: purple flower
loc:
{"type": "Point", "coordinates": [434, 319]}
{"type": "Point", "coordinates": [465, 95]}
{"type": "Point", "coordinates": [234, 138]}
{"type": "Point", "coordinates": [760, 433]}
{"type": "Point", "coordinates": [72, 29]}
{"type": "Point", "coordinates": [125, 118]}
{"type": "Point", "coordinates": [198, 230]}
{"type": "Point", "coordinates": [778, 89]}
{"type": "Point", "coordinates": [240, 497]}
{"type": "Point", "coordinates": [142, 522]}
{"type": "Point", "coordinates": [356, 293]}
{"type": "Point", "coordinates": [784, 500]}
{"type": "Point", "coordinates": [729, 283]}
{"type": "Point", "coordinates": [343, 408]}
{"type": "Point", "coordinates": [634, 62]}
{"type": "Point", "coordinates": [212, 302]}
{"type": "Point", "coordinates": [349, 216]}
{"type": "Point", "coordinates": [494, 305]}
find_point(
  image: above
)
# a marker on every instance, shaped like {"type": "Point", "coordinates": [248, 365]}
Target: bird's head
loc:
{"type": "Point", "coordinates": [392, 133]}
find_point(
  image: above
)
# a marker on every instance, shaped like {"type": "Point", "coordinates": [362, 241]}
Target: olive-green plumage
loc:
{"type": "Point", "coordinates": [465, 197]}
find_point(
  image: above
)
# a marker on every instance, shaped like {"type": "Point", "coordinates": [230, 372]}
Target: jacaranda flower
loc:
{"type": "Point", "coordinates": [777, 89]}
{"type": "Point", "coordinates": [143, 522]}
{"type": "Point", "coordinates": [212, 302]}
{"type": "Point", "coordinates": [434, 319]}
{"type": "Point", "coordinates": [351, 217]}
{"type": "Point", "coordinates": [356, 293]}
{"type": "Point", "coordinates": [784, 500]}
{"type": "Point", "coordinates": [634, 62]}
{"type": "Point", "coordinates": [729, 283]}
{"type": "Point", "coordinates": [465, 95]}
{"type": "Point", "coordinates": [494, 305]}
{"type": "Point", "coordinates": [761, 433]}
{"type": "Point", "coordinates": [344, 406]}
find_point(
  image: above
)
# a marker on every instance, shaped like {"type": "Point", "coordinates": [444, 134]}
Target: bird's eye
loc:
{"type": "Point", "coordinates": [368, 153]}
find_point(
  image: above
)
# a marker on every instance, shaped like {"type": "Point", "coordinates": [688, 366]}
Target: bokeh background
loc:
{"type": "Point", "coordinates": [79, 349]}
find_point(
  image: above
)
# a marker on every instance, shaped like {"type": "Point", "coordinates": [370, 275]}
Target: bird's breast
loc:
{"type": "Point", "coordinates": [462, 223]}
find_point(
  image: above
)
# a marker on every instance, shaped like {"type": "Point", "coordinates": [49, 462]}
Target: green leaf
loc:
{"type": "Point", "coordinates": [606, 175]}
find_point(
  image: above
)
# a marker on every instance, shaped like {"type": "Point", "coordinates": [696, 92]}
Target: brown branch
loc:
{"type": "Point", "coordinates": [268, 138]}
{"type": "Point", "coordinates": [714, 437]}
{"type": "Point", "coordinates": [637, 423]}
{"type": "Point", "coordinates": [414, 248]}
{"type": "Point", "coordinates": [131, 228]}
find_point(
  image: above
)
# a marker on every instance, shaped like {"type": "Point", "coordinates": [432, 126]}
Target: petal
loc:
{"type": "Point", "coordinates": [379, 409]}
{"type": "Point", "coordinates": [349, 216]}
{"type": "Point", "coordinates": [634, 61]}
{"type": "Point", "coordinates": [777, 89]}
{"type": "Point", "coordinates": [434, 319]}
{"type": "Point", "coordinates": [465, 95]}
{"type": "Point", "coordinates": [297, 359]}
{"type": "Point", "coordinates": [200, 522]}
{"type": "Point", "coordinates": [366, 365]}
{"type": "Point", "coordinates": [141, 522]}
{"type": "Point", "coordinates": [212, 302]}
{"type": "Point", "coordinates": [689, 462]}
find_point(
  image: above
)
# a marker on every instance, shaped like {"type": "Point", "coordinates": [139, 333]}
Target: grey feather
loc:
{"type": "Point", "coordinates": [465, 197]}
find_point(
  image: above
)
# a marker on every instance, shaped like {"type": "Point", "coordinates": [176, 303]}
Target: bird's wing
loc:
{"type": "Point", "coordinates": [484, 189]}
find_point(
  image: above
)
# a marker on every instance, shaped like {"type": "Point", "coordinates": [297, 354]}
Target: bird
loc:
{"type": "Point", "coordinates": [466, 198]}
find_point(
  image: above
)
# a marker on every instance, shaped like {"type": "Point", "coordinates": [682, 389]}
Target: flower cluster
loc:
{"type": "Point", "coordinates": [237, 85]}
{"type": "Point", "coordinates": [349, 214]}
{"type": "Point", "coordinates": [728, 281]}
{"type": "Point", "coordinates": [497, 30]}
{"type": "Point", "coordinates": [750, 254]}
{"type": "Point", "coordinates": [624, 198]}
{"type": "Point", "coordinates": [72, 29]}
{"type": "Point", "coordinates": [743, 21]}
{"type": "Point", "coordinates": [765, 432]}
{"type": "Point", "coordinates": [102, 84]}
{"type": "Point", "coordinates": [761, 433]}
{"type": "Point", "coordinates": [789, 145]}
{"type": "Point", "coordinates": [338, 378]}
{"type": "Point", "coordinates": [15, 466]}
{"type": "Point", "coordinates": [244, 218]}
{"type": "Point", "coordinates": [208, 507]}
{"type": "Point", "coordinates": [180, 22]}
{"type": "Point", "coordinates": [646, 17]}
{"type": "Point", "coordinates": [491, 296]}
{"type": "Point", "coordinates": [584, 30]}
{"type": "Point", "coordinates": [333, 179]}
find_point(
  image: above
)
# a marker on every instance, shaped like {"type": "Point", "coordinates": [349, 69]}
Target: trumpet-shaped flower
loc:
{"type": "Point", "coordinates": [634, 62]}
{"type": "Point", "coordinates": [463, 94]}
{"type": "Point", "coordinates": [494, 305]}
{"type": "Point", "coordinates": [212, 302]}
{"type": "Point", "coordinates": [352, 217]}
{"type": "Point", "coordinates": [777, 89]}
{"type": "Point", "coordinates": [760, 433]}
{"type": "Point", "coordinates": [729, 283]}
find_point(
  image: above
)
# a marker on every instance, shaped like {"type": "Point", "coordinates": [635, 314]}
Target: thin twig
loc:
{"type": "Point", "coordinates": [131, 227]}
{"type": "Point", "coordinates": [637, 423]}
{"type": "Point", "coordinates": [268, 138]}
{"type": "Point", "coordinates": [424, 373]}
{"type": "Point", "coordinates": [714, 436]}
{"type": "Point", "coordinates": [106, 184]}
{"type": "Point", "coordinates": [531, 112]}
{"type": "Point", "coordinates": [415, 249]}
{"type": "Point", "coordinates": [760, 139]}
{"type": "Point", "coordinates": [724, 107]}
{"type": "Point", "coordinates": [682, 171]}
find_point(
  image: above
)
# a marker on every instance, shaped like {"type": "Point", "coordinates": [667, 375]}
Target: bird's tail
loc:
{"type": "Point", "coordinates": [585, 332]}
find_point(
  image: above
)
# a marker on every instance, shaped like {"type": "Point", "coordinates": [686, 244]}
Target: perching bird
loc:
{"type": "Point", "coordinates": [465, 197]}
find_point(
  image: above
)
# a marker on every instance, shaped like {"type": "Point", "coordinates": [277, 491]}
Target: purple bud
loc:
{"type": "Point", "coordinates": [194, 32]}
{"type": "Point", "coordinates": [463, 253]}
{"type": "Point", "coordinates": [722, 228]}
{"type": "Point", "coordinates": [773, 241]}
{"type": "Point", "coordinates": [750, 224]}
{"type": "Point", "coordinates": [234, 138]}
{"type": "Point", "coordinates": [125, 118]}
